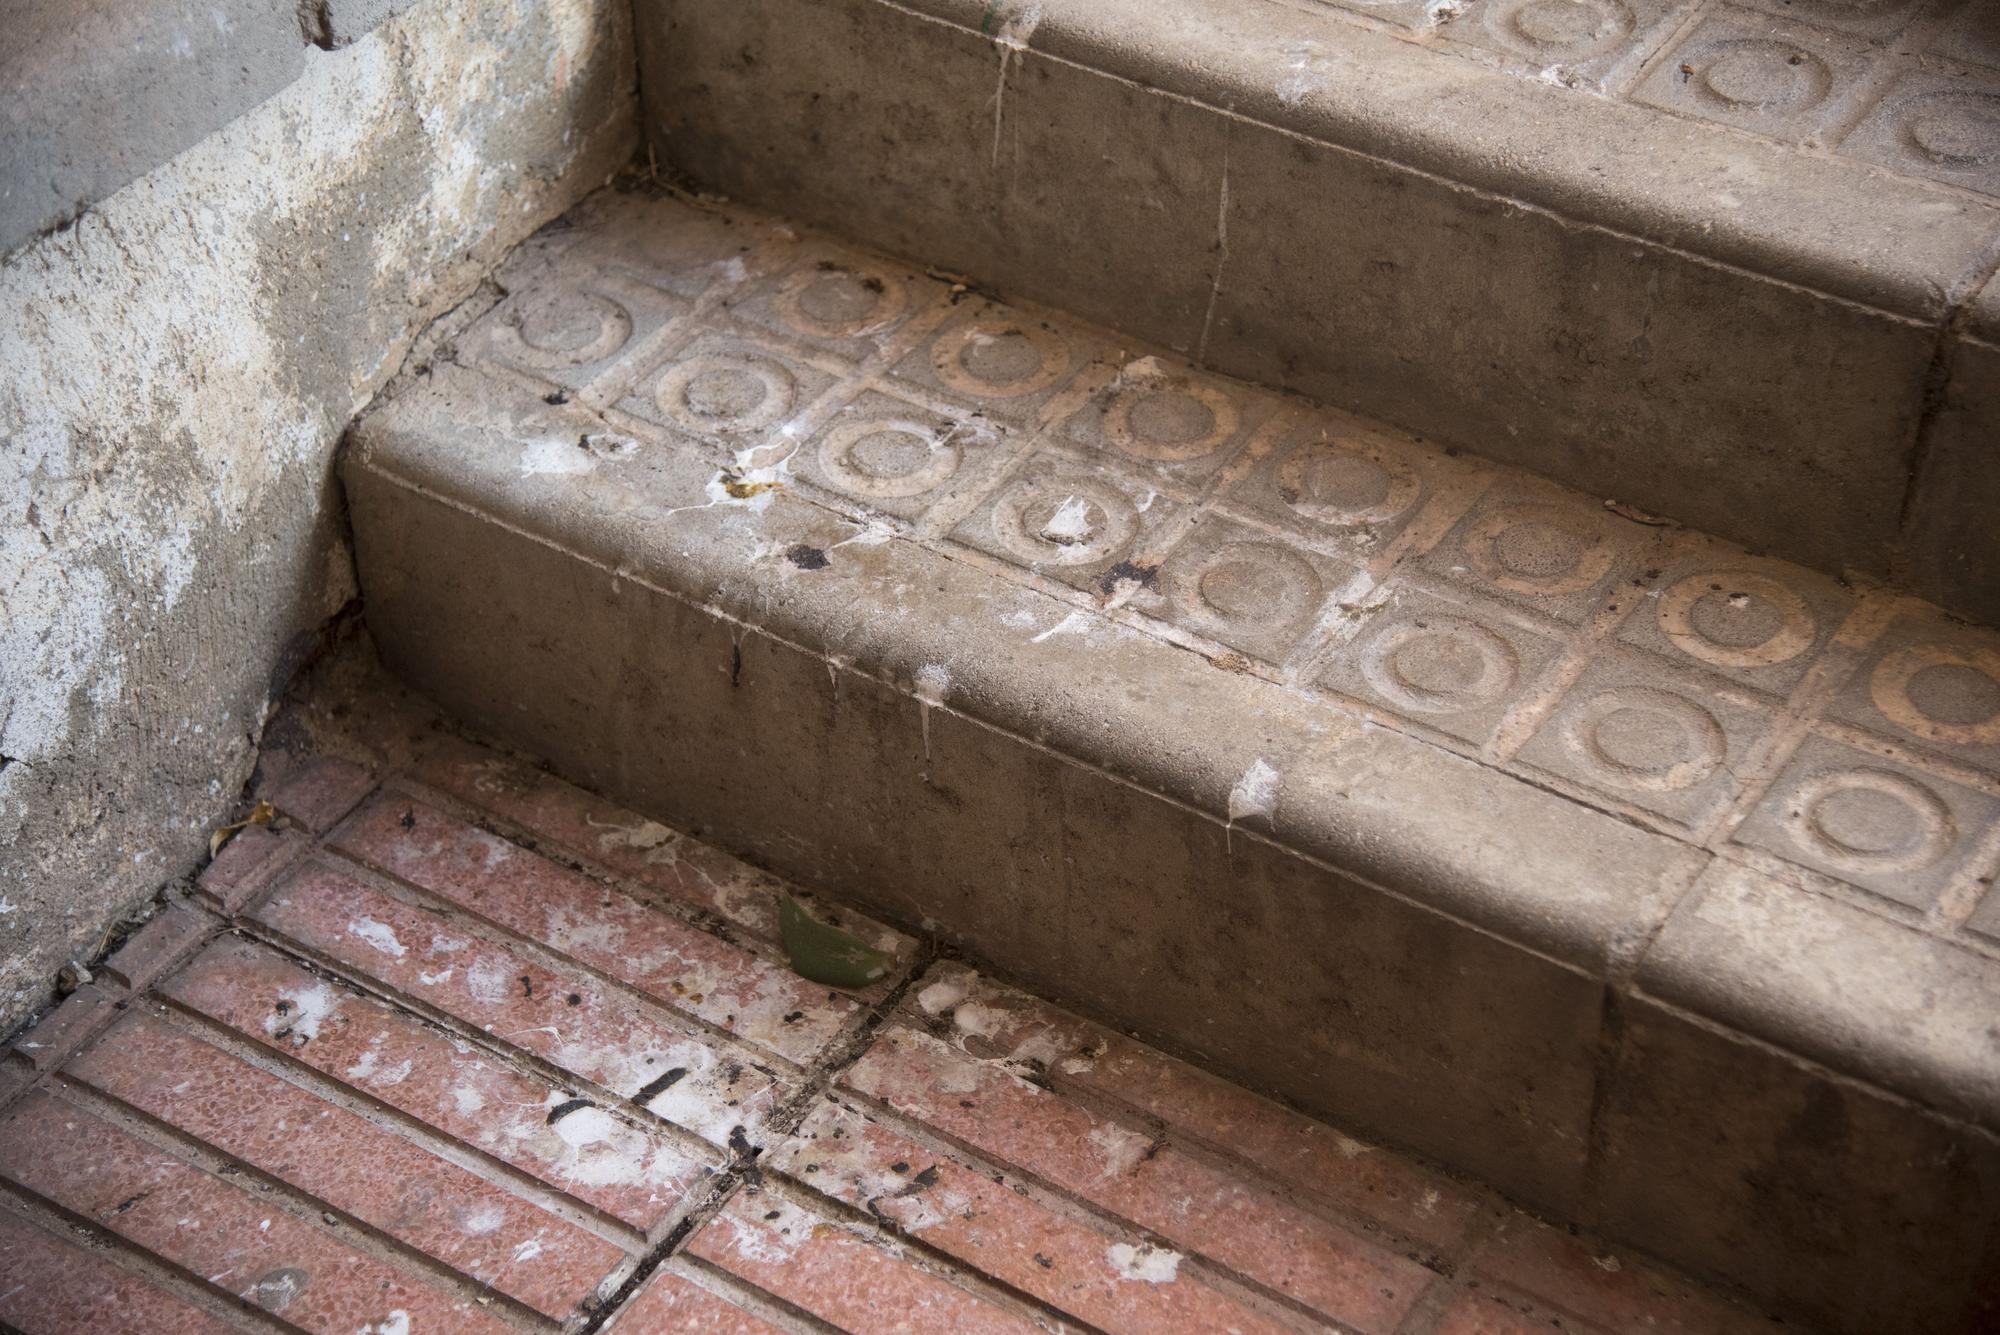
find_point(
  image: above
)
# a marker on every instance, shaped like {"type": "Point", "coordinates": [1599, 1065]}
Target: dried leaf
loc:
{"type": "Point", "coordinates": [826, 954]}
{"type": "Point", "coordinates": [1636, 515]}
{"type": "Point", "coordinates": [261, 814]}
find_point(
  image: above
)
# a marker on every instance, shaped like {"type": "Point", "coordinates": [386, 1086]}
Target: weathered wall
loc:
{"type": "Point", "coordinates": [175, 372]}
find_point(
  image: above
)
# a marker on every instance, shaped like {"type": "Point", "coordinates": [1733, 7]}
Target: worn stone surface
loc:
{"type": "Point", "coordinates": [975, 1158]}
{"type": "Point", "coordinates": [1370, 772]}
{"type": "Point", "coordinates": [174, 372]}
{"type": "Point", "coordinates": [1958, 487]}
{"type": "Point", "coordinates": [1632, 297]}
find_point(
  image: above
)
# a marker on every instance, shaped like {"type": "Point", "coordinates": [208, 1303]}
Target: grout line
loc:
{"type": "Point", "coordinates": [779, 1126]}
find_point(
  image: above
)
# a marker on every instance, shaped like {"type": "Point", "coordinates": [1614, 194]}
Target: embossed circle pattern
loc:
{"type": "Point", "coordinates": [1070, 522]}
{"type": "Point", "coordinates": [888, 459]}
{"type": "Point", "coordinates": [1538, 549]}
{"type": "Point", "coordinates": [1954, 129]}
{"type": "Point", "coordinates": [1639, 738]}
{"type": "Point", "coordinates": [1868, 821]}
{"type": "Point", "coordinates": [1171, 420]}
{"type": "Point", "coordinates": [1333, 482]}
{"type": "Point", "coordinates": [1000, 359]}
{"type": "Point", "coordinates": [1440, 665]}
{"type": "Point", "coordinates": [1941, 692]}
{"type": "Point", "coordinates": [1736, 618]}
{"type": "Point", "coordinates": [727, 392]}
{"type": "Point", "coordinates": [835, 301]}
{"type": "Point", "coordinates": [1245, 584]}
{"type": "Point", "coordinates": [1562, 29]}
{"type": "Point", "coordinates": [1757, 74]}
{"type": "Point", "coordinates": [563, 329]}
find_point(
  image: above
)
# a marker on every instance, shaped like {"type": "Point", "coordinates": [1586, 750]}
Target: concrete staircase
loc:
{"type": "Point", "coordinates": [1641, 875]}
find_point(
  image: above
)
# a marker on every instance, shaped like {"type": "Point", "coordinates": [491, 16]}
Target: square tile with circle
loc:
{"type": "Point", "coordinates": [1712, 607]}
{"type": "Point", "coordinates": [1067, 521]}
{"type": "Point", "coordinates": [1648, 736]}
{"type": "Point", "coordinates": [1932, 683]}
{"type": "Point", "coordinates": [1553, 552]}
{"type": "Point", "coordinates": [725, 392]}
{"type": "Point", "coordinates": [1342, 483]}
{"type": "Point", "coordinates": [1936, 122]}
{"type": "Point", "coordinates": [1582, 39]}
{"type": "Point", "coordinates": [890, 454]}
{"type": "Point", "coordinates": [1440, 658]}
{"type": "Point", "coordinates": [1786, 80]}
{"type": "Point", "coordinates": [1007, 361]}
{"type": "Point", "coordinates": [1872, 819]}
{"type": "Point", "coordinates": [1167, 421]}
{"type": "Point", "coordinates": [842, 302]}
{"type": "Point", "coordinates": [1242, 587]}
{"type": "Point", "coordinates": [569, 332]}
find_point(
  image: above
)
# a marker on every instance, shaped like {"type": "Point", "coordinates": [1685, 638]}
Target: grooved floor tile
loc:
{"type": "Point", "coordinates": [1129, 1172]}
{"type": "Point", "coordinates": [245, 1246]}
{"type": "Point", "coordinates": [1114, 1280]}
{"type": "Point", "coordinates": [632, 1174]}
{"type": "Point", "coordinates": [669, 1302]}
{"type": "Point", "coordinates": [757, 999]}
{"type": "Point", "coordinates": [568, 1018]}
{"type": "Point", "coordinates": [379, 1178]}
{"type": "Point", "coordinates": [837, 1273]}
{"type": "Point", "coordinates": [52, 1287]}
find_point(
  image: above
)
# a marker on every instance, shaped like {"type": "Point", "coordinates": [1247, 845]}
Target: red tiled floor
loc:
{"type": "Point", "coordinates": [542, 1064]}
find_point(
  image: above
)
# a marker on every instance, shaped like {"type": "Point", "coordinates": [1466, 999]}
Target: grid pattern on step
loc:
{"type": "Point", "coordinates": [472, 1050]}
{"type": "Point", "coordinates": [1909, 85]}
{"type": "Point", "coordinates": [1843, 737]}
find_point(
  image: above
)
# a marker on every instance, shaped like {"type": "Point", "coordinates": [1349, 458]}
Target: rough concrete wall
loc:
{"type": "Point", "coordinates": [175, 372]}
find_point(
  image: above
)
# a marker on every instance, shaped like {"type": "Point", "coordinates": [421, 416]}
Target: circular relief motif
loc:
{"type": "Point", "coordinates": [1757, 74]}
{"type": "Point", "coordinates": [1736, 618]}
{"type": "Point", "coordinates": [550, 331]}
{"type": "Point", "coordinates": [1341, 483]}
{"type": "Point", "coordinates": [1940, 692]}
{"type": "Point", "coordinates": [1538, 549]}
{"type": "Point", "coordinates": [1000, 359]}
{"type": "Point", "coordinates": [1637, 737]}
{"type": "Point", "coordinates": [838, 301]}
{"type": "Point", "coordinates": [1955, 129]}
{"type": "Point", "coordinates": [727, 392]}
{"type": "Point", "coordinates": [887, 459]}
{"type": "Point", "coordinates": [1064, 522]}
{"type": "Point", "coordinates": [1253, 584]}
{"type": "Point", "coordinates": [1562, 29]}
{"type": "Point", "coordinates": [1867, 821]}
{"type": "Point", "coordinates": [1168, 418]}
{"type": "Point", "coordinates": [1440, 665]}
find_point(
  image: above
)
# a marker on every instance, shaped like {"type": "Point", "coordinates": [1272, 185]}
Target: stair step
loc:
{"type": "Point", "coordinates": [1731, 273]}
{"type": "Point", "coordinates": [1640, 876]}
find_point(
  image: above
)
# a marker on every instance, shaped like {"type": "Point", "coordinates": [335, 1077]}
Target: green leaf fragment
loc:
{"type": "Point", "coordinates": [826, 954]}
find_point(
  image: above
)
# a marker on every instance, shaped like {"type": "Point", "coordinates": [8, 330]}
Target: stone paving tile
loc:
{"type": "Point", "coordinates": [632, 1174]}
{"type": "Point", "coordinates": [757, 999]}
{"type": "Point", "coordinates": [410, 1194]}
{"type": "Point", "coordinates": [1123, 1168]}
{"type": "Point", "coordinates": [1110, 1278]}
{"type": "Point", "coordinates": [236, 1241]}
{"type": "Point", "coordinates": [568, 1018]}
{"type": "Point", "coordinates": [671, 1302]}
{"type": "Point", "coordinates": [52, 1287]}
{"type": "Point", "coordinates": [844, 1274]}
{"type": "Point", "coordinates": [980, 1160]}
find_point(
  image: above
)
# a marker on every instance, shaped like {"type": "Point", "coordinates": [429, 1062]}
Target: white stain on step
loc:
{"type": "Point", "coordinates": [1154, 1265]}
{"type": "Point", "coordinates": [932, 683]}
{"type": "Point", "coordinates": [304, 1010]}
{"type": "Point", "coordinates": [1256, 793]}
{"type": "Point", "coordinates": [1076, 623]}
{"type": "Point", "coordinates": [1013, 37]}
{"type": "Point", "coordinates": [378, 934]}
{"type": "Point", "coordinates": [1123, 1149]}
{"type": "Point", "coordinates": [941, 996]}
{"type": "Point", "coordinates": [546, 456]}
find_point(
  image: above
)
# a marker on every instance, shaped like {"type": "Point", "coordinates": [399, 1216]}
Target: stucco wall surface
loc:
{"type": "Point", "coordinates": [175, 372]}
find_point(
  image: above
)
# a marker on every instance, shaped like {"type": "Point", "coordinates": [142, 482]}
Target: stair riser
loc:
{"type": "Point", "coordinates": [643, 675]}
{"type": "Point", "coordinates": [1767, 388]}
